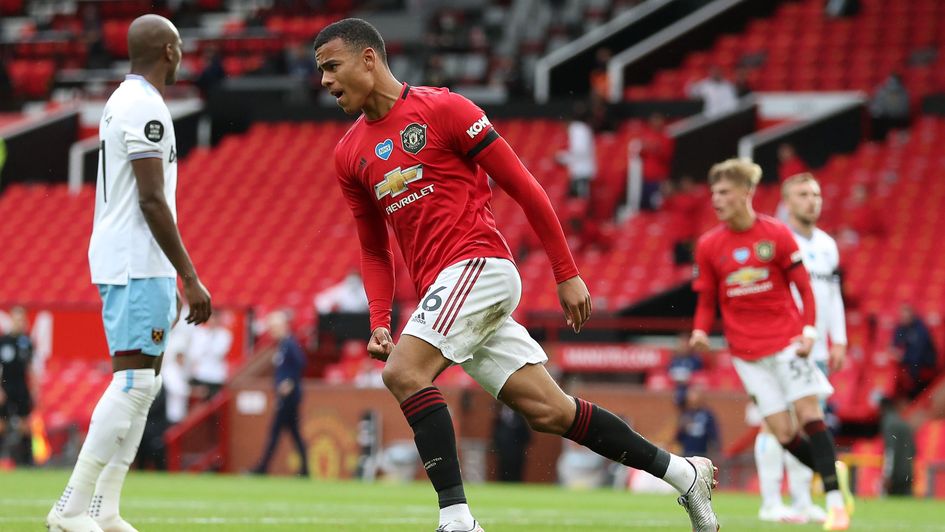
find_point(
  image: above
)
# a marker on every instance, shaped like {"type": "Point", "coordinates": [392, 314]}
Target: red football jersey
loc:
{"type": "Point", "coordinates": [749, 272]}
{"type": "Point", "coordinates": [416, 166]}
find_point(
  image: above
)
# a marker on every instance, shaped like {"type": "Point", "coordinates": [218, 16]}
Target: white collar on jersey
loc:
{"type": "Point", "coordinates": [813, 232]}
{"type": "Point", "coordinates": [138, 77]}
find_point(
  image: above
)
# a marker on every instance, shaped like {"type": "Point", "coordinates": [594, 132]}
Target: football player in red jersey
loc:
{"type": "Point", "coordinates": [417, 160]}
{"type": "Point", "coordinates": [747, 264]}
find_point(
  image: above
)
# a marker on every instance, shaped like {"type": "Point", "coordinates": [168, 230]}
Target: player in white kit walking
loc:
{"type": "Point", "coordinates": [803, 201]}
{"type": "Point", "coordinates": [135, 256]}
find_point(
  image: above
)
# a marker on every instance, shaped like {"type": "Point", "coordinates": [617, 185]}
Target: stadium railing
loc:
{"type": "Point", "coordinates": [698, 29]}
{"type": "Point", "coordinates": [933, 469]}
{"type": "Point", "coordinates": [931, 403]}
{"type": "Point", "coordinates": [199, 442]}
{"type": "Point", "coordinates": [701, 141]}
{"type": "Point", "coordinates": [634, 180]}
{"type": "Point", "coordinates": [559, 67]}
{"type": "Point", "coordinates": [49, 134]}
{"type": "Point", "coordinates": [552, 328]}
{"type": "Point", "coordinates": [817, 138]}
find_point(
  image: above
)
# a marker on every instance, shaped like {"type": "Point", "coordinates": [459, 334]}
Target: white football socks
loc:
{"type": "Point", "coordinates": [104, 506]}
{"type": "Point", "coordinates": [680, 474]}
{"type": "Point", "coordinates": [110, 425]}
{"type": "Point", "coordinates": [835, 499]}
{"type": "Point", "coordinates": [799, 480]}
{"type": "Point", "coordinates": [769, 460]}
{"type": "Point", "coordinates": [456, 513]}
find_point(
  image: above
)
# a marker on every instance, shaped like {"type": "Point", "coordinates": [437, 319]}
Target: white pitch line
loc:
{"type": "Point", "coordinates": [203, 505]}
{"type": "Point", "coordinates": [278, 521]}
{"type": "Point", "coordinates": [315, 507]}
{"type": "Point", "coordinates": [389, 521]}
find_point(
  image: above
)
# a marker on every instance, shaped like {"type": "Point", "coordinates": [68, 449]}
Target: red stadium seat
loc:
{"type": "Point", "coordinates": [32, 78]}
{"type": "Point", "coordinates": [843, 53]}
{"type": "Point", "coordinates": [115, 37]}
{"type": "Point", "coordinates": [11, 7]}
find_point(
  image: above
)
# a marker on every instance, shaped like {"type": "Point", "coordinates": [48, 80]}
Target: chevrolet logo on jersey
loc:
{"type": "Point", "coordinates": [395, 182]}
{"type": "Point", "coordinates": [746, 276]}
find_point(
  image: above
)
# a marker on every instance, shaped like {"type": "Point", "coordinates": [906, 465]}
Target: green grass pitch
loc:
{"type": "Point", "coordinates": [160, 502]}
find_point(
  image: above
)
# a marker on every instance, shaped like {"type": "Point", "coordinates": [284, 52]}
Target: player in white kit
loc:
{"type": "Point", "coordinates": [802, 199]}
{"type": "Point", "coordinates": [135, 256]}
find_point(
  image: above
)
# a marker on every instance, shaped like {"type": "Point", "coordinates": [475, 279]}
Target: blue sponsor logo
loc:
{"type": "Point", "coordinates": [741, 255]}
{"type": "Point", "coordinates": [384, 149]}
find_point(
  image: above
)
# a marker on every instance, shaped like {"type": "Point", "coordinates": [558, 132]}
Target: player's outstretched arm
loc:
{"type": "Point", "coordinates": [798, 275]}
{"type": "Point", "coordinates": [377, 259]}
{"type": "Point", "coordinates": [837, 330]}
{"type": "Point", "coordinates": [837, 327]}
{"type": "Point", "coordinates": [706, 285]}
{"type": "Point", "coordinates": [377, 269]}
{"type": "Point", "coordinates": [501, 163]}
{"type": "Point", "coordinates": [702, 322]}
{"type": "Point", "coordinates": [149, 175]}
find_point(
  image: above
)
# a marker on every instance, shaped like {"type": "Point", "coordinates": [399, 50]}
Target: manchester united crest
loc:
{"type": "Point", "coordinates": [413, 138]}
{"type": "Point", "coordinates": [157, 335]}
{"type": "Point", "coordinates": [764, 250]}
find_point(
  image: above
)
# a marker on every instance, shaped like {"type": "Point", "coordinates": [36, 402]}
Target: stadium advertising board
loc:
{"type": "Point", "coordinates": [610, 357]}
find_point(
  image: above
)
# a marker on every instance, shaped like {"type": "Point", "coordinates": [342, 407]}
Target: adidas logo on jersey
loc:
{"type": "Point", "coordinates": [420, 318]}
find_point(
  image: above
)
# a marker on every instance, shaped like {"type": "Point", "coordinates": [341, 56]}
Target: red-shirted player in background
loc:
{"type": "Point", "coordinates": [747, 264]}
{"type": "Point", "coordinates": [416, 160]}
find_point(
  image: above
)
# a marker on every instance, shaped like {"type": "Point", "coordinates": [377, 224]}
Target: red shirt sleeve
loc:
{"type": "Point", "coordinates": [377, 260]}
{"type": "Point", "coordinates": [704, 277]}
{"type": "Point", "coordinates": [801, 279]}
{"type": "Point", "coordinates": [789, 257]}
{"type": "Point", "coordinates": [706, 284]}
{"type": "Point", "coordinates": [469, 130]}
{"type": "Point", "coordinates": [501, 163]}
{"type": "Point", "coordinates": [473, 136]}
{"type": "Point", "coordinates": [787, 254]}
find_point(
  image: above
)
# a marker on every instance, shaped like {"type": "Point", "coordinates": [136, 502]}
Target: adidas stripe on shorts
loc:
{"type": "Point", "coordinates": [466, 314]}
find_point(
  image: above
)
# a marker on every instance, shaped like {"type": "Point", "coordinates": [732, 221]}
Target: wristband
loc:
{"type": "Point", "coordinates": [810, 332]}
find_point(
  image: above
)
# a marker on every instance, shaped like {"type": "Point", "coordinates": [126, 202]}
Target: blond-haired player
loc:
{"type": "Point", "coordinates": [747, 264]}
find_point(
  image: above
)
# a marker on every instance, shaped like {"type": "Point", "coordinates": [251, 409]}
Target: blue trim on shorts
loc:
{"type": "Point", "coordinates": [129, 381]}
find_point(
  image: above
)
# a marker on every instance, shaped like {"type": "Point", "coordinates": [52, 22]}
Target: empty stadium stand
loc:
{"type": "Point", "coordinates": [260, 209]}
{"type": "Point", "coordinates": [267, 226]}
{"type": "Point", "coordinates": [799, 48]}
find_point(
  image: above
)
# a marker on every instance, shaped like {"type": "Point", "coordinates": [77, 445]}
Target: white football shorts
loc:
{"type": "Point", "coordinates": [776, 381]}
{"type": "Point", "coordinates": [466, 314]}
